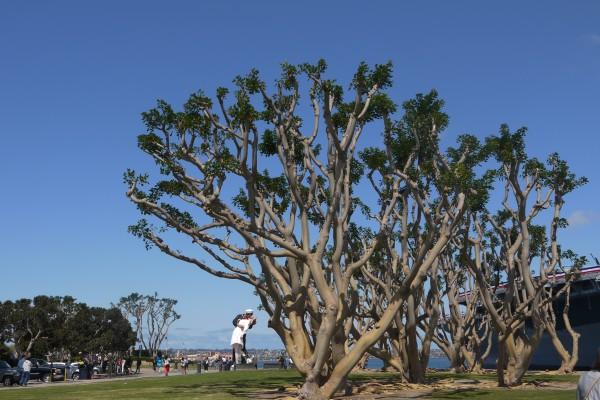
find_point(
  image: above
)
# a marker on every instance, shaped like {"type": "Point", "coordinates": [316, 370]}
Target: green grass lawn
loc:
{"type": "Point", "coordinates": [244, 384]}
{"type": "Point", "coordinates": [508, 394]}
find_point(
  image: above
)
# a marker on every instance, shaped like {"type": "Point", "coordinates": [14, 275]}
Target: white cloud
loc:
{"type": "Point", "coordinates": [583, 217]}
{"type": "Point", "coordinates": [594, 39]}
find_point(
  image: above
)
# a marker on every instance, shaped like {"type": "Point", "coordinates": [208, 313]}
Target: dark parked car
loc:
{"type": "Point", "coordinates": [77, 370]}
{"type": "Point", "coordinates": [8, 374]}
{"type": "Point", "coordinates": [40, 370]}
{"type": "Point", "coordinates": [73, 370]}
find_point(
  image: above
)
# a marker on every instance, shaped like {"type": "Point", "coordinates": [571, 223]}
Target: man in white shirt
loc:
{"type": "Point", "coordinates": [237, 337]}
{"type": "Point", "coordinates": [26, 372]}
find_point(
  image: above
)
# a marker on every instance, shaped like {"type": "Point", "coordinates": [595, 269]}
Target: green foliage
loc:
{"type": "Point", "coordinates": [63, 324]}
{"type": "Point", "coordinates": [5, 352]}
{"type": "Point", "coordinates": [374, 158]}
{"type": "Point", "coordinates": [508, 147]}
{"type": "Point", "coordinates": [365, 77]}
{"type": "Point", "coordinates": [560, 177]}
{"type": "Point", "coordinates": [276, 187]}
{"type": "Point", "coordinates": [143, 230]}
{"type": "Point", "coordinates": [269, 143]}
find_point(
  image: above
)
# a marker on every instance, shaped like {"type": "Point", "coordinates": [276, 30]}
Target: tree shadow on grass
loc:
{"type": "Point", "coordinates": [461, 394]}
{"type": "Point", "coordinates": [271, 386]}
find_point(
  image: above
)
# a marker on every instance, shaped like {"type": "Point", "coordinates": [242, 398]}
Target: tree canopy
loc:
{"type": "Point", "coordinates": [343, 242]}
{"type": "Point", "coordinates": [62, 327]}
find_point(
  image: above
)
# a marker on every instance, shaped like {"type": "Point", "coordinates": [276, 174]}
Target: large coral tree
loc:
{"type": "Point", "coordinates": [512, 243]}
{"type": "Point", "coordinates": [437, 188]}
{"type": "Point", "coordinates": [271, 200]}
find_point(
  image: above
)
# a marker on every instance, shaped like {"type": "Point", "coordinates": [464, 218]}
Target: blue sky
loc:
{"type": "Point", "coordinates": [75, 76]}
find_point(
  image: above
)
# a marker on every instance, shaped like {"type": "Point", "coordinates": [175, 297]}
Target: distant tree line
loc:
{"type": "Point", "coordinates": [61, 327]}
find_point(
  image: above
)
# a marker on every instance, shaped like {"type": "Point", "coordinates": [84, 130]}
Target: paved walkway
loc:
{"type": "Point", "coordinates": [146, 373]}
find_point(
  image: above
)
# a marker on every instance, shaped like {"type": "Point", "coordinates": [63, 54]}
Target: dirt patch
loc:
{"type": "Point", "coordinates": [374, 390]}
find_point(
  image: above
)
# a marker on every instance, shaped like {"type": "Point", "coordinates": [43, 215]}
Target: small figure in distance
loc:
{"type": "Point", "coordinates": [184, 364]}
{"type": "Point", "coordinates": [588, 387]}
{"type": "Point", "coordinates": [167, 365]}
{"type": "Point", "coordinates": [138, 364]}
{"type": "Point", "coordinates": [159, 364]}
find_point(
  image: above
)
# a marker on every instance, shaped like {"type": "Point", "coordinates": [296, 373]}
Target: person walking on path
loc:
{"type": "Point", "coordinates": [159, 364]}
{"type": "Point", "coordinates": [588, 387]}
{"type": "Point", "coordinates": [26, 371]}
{"type": "Point", "coordinates": [167, 366]}
{"type": "Point", "coordinates": [138, 364]}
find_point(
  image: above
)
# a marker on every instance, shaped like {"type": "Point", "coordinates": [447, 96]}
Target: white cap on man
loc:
{"type": "Point", "coordinates": [249, 311]}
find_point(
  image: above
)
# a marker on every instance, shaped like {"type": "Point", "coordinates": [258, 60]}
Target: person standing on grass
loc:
{"type": "Point", "coordinates": [26, 371]}
{"type": "Point", "coordinates": [588, 387]}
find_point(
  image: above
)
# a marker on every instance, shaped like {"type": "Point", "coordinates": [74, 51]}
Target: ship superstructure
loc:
{"type": "Point", "coordinates": [584, 315]}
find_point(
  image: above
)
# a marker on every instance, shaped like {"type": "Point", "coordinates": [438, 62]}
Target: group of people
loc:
{"type": "Point", "coordinates": [284, 361]}
{"type": "Point", "coordinates": [163, 364]}
{"type": "Point", "coordinates": [120, 365]}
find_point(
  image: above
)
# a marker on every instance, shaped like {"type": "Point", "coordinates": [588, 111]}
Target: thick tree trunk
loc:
{"type": "Point", "coordinates": [500, 363]}
{"type": "Point", "coordinates": [457, 361]}
{"type": "Point", "coordinates": [569, 360]}
{"type": "Point", "coordinates": [311, 391]}
{"type": "Point", "coordinates": [338, 352]}
{"type": "Point", "coordinates": [415, 372]}
{"type": "Point", "coordinates": [519, 352]}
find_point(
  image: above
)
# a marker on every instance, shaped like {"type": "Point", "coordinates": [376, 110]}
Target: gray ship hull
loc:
{"type": "Point", "coordinates": [584, 315]}
{"type": "Point", "coordinates": [546, 357]}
